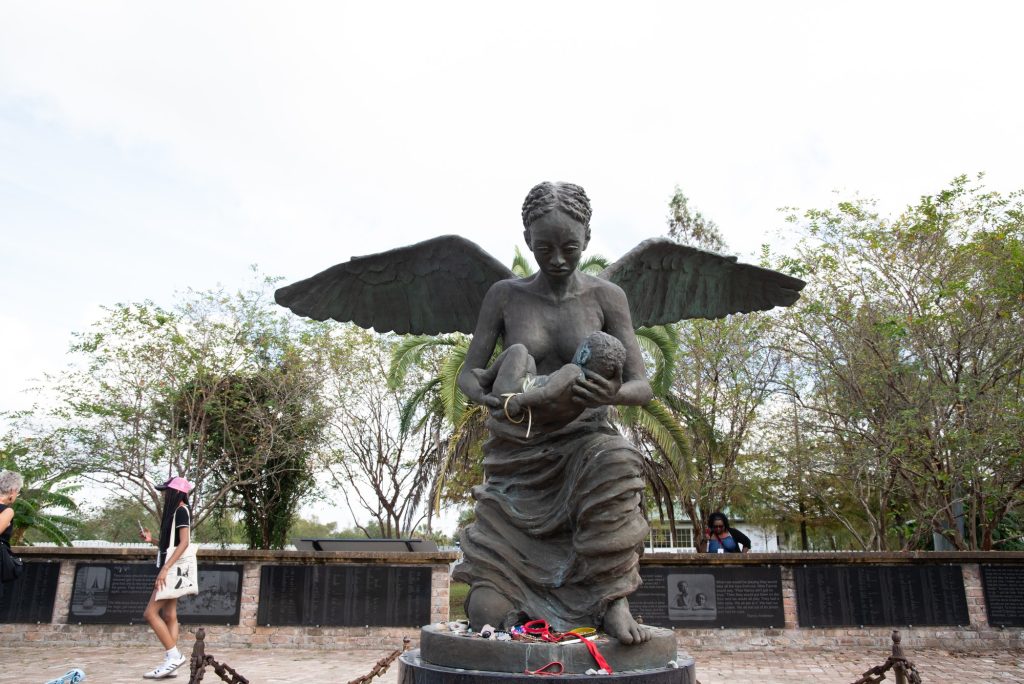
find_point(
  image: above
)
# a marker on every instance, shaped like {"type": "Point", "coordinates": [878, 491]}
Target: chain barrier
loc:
{"type": "Point", "coordinates": [905, 671]}
{"type": "Point", "coordinates": [200, 661]}
{"type": "Point", "coordinates": [383, 664]}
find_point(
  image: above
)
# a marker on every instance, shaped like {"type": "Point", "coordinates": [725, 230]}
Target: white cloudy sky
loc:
{"type": "Point", "coordinates": [150, 147]}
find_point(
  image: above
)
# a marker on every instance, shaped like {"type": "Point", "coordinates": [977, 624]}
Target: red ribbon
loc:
{"type": "Point", "coordinates": [543, 630]}
{"type": "Point", "coordinates": [598, 658]}
{"type": "Point", "coordinates": [548, 670]}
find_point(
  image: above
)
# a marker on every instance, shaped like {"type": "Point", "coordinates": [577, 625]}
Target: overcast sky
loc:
{"type": "Point", "coordinates": [146, 148]}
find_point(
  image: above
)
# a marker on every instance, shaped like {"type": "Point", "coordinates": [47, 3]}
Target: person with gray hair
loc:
{"type": "Point", "coordinates": [10, 487]}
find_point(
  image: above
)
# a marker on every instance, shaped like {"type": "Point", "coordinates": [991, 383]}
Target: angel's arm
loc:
{"type": "Point", "coordinates": [485, 337]}
{"type": "Point", "coordinates": [634, 390]}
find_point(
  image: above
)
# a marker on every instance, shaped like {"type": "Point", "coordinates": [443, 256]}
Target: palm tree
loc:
{"type": "Point", "coordinates": [43, 493]}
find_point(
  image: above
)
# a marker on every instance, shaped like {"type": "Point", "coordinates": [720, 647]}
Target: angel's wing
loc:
{"type": "Point", "coordinates": [432, 287]}
{"type": "Point", "coordinates": [667, 282]}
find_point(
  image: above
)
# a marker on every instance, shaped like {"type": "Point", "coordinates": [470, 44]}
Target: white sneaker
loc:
{"type": "Point", "coordinates": [71, 677]}
{"type": "Point", "coordinates": [167, 669]}
{"type": "Point", "coordinates": [175, 663]}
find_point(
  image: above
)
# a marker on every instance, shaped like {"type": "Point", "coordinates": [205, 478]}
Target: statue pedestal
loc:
{"type": "Point", "coordinates": [445, 657]}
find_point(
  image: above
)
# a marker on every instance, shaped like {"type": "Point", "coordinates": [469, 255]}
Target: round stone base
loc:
{"type": "Point", "coordinates": [413, 670]}
{"type": "Point", "coordinates": [439, 646]}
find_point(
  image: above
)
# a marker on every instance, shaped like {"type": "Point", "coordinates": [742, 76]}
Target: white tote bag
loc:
{"type": "Point", "coordinates": [183, 576]}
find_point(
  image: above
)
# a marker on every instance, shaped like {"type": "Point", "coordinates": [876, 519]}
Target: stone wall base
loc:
{"type": "Point", "coordinates": [692, 641]}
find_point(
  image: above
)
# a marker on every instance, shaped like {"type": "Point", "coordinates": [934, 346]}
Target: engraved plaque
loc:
{"type": "Point", "coordinates": [711, 596]}
{"type": "Point", "coordinates": [117, 593]}
{"type": "Point", "coordinates": [854, 595]}
{"type": "Point", "coordinates": [344, 596]}
{"type": "Point", "coordinates": [1004, 594]}
{"type": "Point", "coordinates": [30, 597]}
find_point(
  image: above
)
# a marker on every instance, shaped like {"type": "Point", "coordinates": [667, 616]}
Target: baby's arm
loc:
{"type": "Point", "coordinates": [507, 372]}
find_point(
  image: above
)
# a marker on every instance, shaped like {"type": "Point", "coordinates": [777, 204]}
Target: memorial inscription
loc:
{"type": "Point", "coordinates": [117, 593]}
{"type": "Point", "coordinates": [709, 597]}
{"type": "Point", "coordinates": [853, 595]}
{"type": "Point", "coordinates": [1004, 594]}
{"type": "Point", "coordinates": [344, 596]}
{"type": "Point", "coordinates": [30, 599]}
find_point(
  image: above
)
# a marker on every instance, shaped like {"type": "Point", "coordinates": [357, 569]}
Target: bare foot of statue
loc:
{"type": "Point", "coordinates": [619, 623]}
{"type": "Point", "coordinates": [487, 607]}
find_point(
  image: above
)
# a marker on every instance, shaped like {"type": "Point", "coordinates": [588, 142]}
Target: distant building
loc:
{"type": "Point", "coordinates": [662, 539]}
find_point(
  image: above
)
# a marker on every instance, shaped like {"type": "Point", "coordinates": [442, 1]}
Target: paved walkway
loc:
{"type": "Point", "coordinates": [117, 665]}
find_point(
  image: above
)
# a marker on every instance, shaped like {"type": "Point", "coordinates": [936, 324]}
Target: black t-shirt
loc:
{"type": "Point", "coordinates": [182, 518]}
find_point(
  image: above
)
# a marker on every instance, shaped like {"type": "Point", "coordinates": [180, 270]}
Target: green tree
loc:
{"type": "Point", "coordinates": [117, 520]}
{"type": "Point", "coordinates": [910, 341]}
{"type": "Point", "coordinates": [268, 425]}
{"type": "Point", "coordinates": [709, 403]}
{"type": "Point", "coordinates": [313, 528]}
{"type": "Point", "coordinates": [140, 400]}
{"type": "Point", "coordinates": [383, 473]}
{"type": "Point", "coordinates": [690, 227]}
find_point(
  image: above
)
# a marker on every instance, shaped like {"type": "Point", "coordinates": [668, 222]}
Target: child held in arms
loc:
{"type": "Point", "coordinates": [548, 399]}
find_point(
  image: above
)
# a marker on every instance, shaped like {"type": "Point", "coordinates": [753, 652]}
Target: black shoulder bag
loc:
{"type": "Point", "coordinates": [11, 566]}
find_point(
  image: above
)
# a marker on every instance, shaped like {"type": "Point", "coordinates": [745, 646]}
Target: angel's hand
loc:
{"type": "Point", "coordinates": [488, 400]}
{"type": "Point", "coordinates": [596, 390]}
{"type": "Point", "coordinates": [513, 408]}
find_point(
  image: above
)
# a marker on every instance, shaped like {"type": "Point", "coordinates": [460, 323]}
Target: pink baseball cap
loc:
{"type": "Point", "coordinates": [179, 483]}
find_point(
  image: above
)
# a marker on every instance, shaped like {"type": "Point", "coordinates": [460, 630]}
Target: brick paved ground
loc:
{"type": "Point", "coordinates": [116, 665]}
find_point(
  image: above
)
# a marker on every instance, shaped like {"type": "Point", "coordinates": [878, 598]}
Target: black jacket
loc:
{"type": "Point", "coordinates": [741, 539]}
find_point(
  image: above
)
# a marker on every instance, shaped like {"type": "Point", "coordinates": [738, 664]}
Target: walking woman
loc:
{"type": "Point", "coordinates": [162, 613]}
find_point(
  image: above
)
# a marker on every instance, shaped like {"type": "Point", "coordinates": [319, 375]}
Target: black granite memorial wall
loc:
{"type": "Point", "coordinates": [344, 596]}
{"type": "Point", "coordinates": [117, 593]}
{"type": "Point", "coordinates": [1004, 594]}
{"type": "Point", "coordinates": [694, 597]}
{"type": "Point", "coordinates": [29, 599]}
{"type": "Point", "coordinates": [891, 596]}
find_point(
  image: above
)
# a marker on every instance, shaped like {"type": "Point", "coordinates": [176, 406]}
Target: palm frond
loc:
{"type": "Point", "coordinates": [663, 483]}
{"type": "Point", "coordinates": [593, 264]}
{"type": "Point", "coordinates": [660, 343]}
{"type": "Point", "coordinates": [466, 436]}
{"type": "Point", "coordinates": [696, 421]}
{"type": "Point", "coordinates": [409, 352]}
{"type": "Point", "coordinates": [520, 266]}
{"type": "Point", "coordinates": [452, 397]}
{"type": "Point", "coordinates": [413, 403]}
{"type": "Point", "coordinates": [656, 421]}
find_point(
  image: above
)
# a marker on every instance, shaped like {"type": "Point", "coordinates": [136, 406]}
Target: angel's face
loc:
{"type": "Point", "coordinates": [557, 242]}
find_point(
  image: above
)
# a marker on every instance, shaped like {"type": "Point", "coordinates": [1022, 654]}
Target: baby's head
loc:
{"type": "Point", "coordinates": [601, 353]}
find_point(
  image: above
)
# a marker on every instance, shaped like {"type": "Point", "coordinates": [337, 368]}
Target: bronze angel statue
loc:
{"type": "Point", "coordinates": [558, 527]}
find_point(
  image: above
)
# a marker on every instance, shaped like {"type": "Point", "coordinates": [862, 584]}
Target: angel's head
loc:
{"type": "Point", "coordinates": [556, 217]}
{"type": "Point", "coordinates": [601, 353]}
{"type": "Point", "coordinates": [547, 196]}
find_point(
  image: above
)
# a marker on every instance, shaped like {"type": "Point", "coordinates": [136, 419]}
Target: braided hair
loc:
{"type": "Point", "coordinates": [546, 197]}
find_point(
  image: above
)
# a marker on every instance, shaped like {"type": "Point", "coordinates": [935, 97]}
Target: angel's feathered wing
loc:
{"type": "Point", "coordinates": [667, 282]}
{"type": "Point", "coordinates": [435, 286]}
